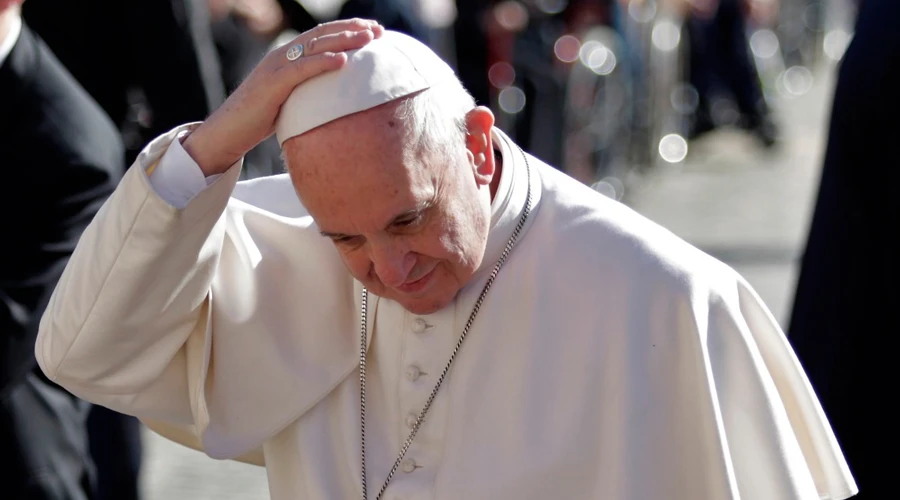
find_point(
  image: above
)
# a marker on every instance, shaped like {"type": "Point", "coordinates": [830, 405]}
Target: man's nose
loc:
{"type": "Point", "coordinates": [392, 263]}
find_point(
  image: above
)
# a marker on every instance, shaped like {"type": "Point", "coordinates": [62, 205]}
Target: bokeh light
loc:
{"type": "Point", "coordinates": [666, 35]}
{"type": "Point", "coordinates": [512, 100]}
{"type": "Point", "coordinates": [673, 148]}
{"type": "Point", "coordinates": [567, 48]}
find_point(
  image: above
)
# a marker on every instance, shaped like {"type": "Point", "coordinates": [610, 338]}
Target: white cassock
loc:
{"type": "Point", "coordinates": [611, 360]}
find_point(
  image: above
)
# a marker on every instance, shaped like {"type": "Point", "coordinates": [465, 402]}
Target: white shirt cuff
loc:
{"type": "Point", "coordinates": [177, 179]}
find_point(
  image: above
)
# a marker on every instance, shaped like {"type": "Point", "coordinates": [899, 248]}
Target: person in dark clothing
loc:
{"type": "Point", "coordinates": [471, 42]}
{"type": "Point", "coordinates": [151, 64]}
{"type": "Point", "coordinates": [847, 295]}
{"type": "Point", "coordinates": [63, 157]}
{"type": "Point", "coordinates": [390, 14]}
{"type": "Point", "coordinates": [719, 65]}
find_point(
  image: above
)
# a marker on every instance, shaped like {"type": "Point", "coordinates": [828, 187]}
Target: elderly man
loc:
{"type": "Point", "coordinates": [442, 317]}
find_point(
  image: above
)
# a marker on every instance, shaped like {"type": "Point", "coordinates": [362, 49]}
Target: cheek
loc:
{"type": "Point", "coordinates": [462, 235]}
{"type": "Point", "coordinates": [358, 264]}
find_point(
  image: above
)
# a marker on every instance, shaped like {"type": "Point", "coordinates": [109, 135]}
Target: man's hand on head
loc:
{"type": "Point", "coordinates": [248, 116]}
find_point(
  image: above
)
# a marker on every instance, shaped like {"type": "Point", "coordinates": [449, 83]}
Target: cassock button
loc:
{"type": "Point", "coordinates": [413, 373]}
{"type": "Point", "coordinates": [411, 420]}
{"type": "Point", "coordinates": [408, 465]}
{"type": "Point", "coordinates": [419, 325]}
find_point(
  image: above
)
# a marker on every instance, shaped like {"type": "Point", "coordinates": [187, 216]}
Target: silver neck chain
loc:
{"type": "Point", "coordinates": [363, 329]}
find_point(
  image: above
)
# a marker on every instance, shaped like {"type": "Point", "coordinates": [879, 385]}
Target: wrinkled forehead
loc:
{"type": "Point", "coordinates": [355, 174]}
{"type": "Point", "coordinates": [370, 156]}
{"type": "Point", "coordinates": [375, 135]}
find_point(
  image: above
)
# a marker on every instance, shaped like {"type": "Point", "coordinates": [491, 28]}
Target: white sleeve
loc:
{"type": "Point", "coordinates": [177, 179]}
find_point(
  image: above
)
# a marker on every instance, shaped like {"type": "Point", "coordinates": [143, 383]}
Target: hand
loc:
{"type": "Point", "coordinates": [704, 9]}
{"type": "Point", "coordinates": [248, 116]}
{"type": "Point", "coordinates": [219, 9]}
{"type": "Point", "coordinates": [762, 13]}
{"type": "Point", "coordinates": [263, 17]}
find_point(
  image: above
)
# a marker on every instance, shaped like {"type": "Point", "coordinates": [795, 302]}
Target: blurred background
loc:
{"type": "Point", "coordinates": [708, 116]}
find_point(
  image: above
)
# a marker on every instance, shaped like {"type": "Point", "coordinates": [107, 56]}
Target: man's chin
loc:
{"type": "Point", "coordinates": [423, 305]}
{"type": "Point", "coordinates": [423, 310]}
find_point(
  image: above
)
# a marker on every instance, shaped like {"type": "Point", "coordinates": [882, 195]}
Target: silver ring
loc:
{"type": "Point", "coordinates": [295, 52]}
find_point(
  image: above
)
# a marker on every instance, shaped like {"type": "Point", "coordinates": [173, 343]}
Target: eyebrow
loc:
{"type": "Point", "coordinates": [413, 212]}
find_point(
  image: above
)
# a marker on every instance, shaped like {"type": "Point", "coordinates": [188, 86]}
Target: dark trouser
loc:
{"type": "Point", "coordinates": [115, 444]}
{"type": "Point", "coordinates": [43, 443]}
{"type": "Point", "coordinates": [720, 61]}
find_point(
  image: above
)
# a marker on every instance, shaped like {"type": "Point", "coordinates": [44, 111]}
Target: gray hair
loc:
{"type": "Point", "coordinates": [436, 117]}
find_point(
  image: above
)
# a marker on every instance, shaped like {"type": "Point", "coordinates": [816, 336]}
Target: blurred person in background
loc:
{"type": "Point", "coordinates": [846, 302]}
{"type": "Point", "coordinates": [522, 34]}
{"type": "Point", "coordinates": [63, 157]}
{"type": "Point", "coordinates": [722, 70]}
{"type": "Point", "coordinates": [150, 64]}
{"type": "Point", "coordinates": [242, 31]}
{"type": "Point", "coordinates": [397, 15]}
{"type": "Point", "coordinates": [470, 45]}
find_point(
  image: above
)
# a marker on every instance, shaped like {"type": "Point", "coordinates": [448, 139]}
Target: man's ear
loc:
{"type": "Point", "coordinates": [479, 144]}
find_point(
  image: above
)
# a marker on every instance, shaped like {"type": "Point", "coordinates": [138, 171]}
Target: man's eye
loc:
{"type": "Point", "coordinates": [408, 222]}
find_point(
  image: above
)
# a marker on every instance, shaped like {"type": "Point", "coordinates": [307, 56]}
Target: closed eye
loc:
{"type": "Point", "coordinates": [341, 239]}
{"type": "Point", "coordinates": [347, 240]}
{"type": "Point", "coordinates": [408, 222]}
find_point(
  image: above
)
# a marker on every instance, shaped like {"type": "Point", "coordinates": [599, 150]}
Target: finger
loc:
{"type": "Point", "coordinates": [338, 42]}
{"type": "Point", "coordinates": [312, 66]}
{"type": "Point", "coordinates": [332, 27]}
{"type": "Point", "coordinates": [280, 79]}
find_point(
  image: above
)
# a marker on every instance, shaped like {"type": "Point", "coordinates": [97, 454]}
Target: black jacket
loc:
{"type": "Point", "coordinates": [61, 158]}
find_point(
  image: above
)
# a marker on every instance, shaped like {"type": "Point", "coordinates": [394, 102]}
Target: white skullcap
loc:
{"type": "Point", "coordinates": [388, 68]}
